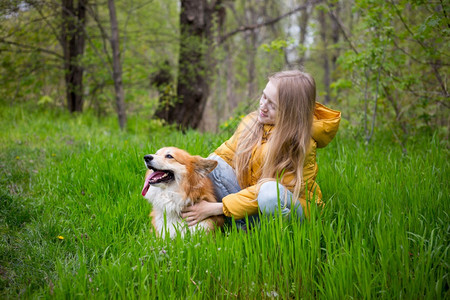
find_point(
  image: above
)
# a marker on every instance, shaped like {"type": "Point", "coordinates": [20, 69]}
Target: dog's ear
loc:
{"type": "Point", "coordinates": [205, 166]}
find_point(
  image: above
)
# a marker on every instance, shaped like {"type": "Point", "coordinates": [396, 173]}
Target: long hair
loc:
{"type": "Point", "coordinates": [289, 139]}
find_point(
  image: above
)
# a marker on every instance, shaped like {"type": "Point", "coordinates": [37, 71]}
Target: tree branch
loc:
{"type": "Point", "coordinates": [31, 47]}
{"type": "Point", "coordinates": [445, 13]}
{"type": "Point", "coordinates": [341, 27]}
{"type": "Point", "coordinates": [58, 37]}
{"type": "Point", "coordinates": [108, 67]}
{"type": "Point", "coordinates": [267, 23]}
{"type": "Point", "coordinates": [426, 48]}
{"type": "Point", "coordinates": [103, 35]}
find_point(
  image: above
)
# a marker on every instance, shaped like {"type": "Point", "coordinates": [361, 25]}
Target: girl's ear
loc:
{"type": "Point", "coordinates": [204, 166]}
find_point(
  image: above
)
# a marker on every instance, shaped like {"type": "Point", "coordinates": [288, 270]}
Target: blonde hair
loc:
{"type": "Point", "coordinates": [289, 140]}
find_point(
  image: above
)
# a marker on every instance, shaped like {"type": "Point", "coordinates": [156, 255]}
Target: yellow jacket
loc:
{"type": "Point", "coordinates": [325, 125]}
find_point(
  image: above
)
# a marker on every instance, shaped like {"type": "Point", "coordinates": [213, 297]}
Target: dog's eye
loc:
{"type": "Point", "coordinates": [169, 156]}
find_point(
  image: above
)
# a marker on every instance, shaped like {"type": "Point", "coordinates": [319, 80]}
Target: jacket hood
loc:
{"type": "Point", "coordinates": [325, 124]}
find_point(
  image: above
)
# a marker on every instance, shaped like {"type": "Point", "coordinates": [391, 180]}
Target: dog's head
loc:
{"type": "Point", "coordinates": [173, 166]}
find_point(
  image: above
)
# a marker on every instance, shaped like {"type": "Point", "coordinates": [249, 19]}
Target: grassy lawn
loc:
{"type": "Point", "coordinates": [74, 224]}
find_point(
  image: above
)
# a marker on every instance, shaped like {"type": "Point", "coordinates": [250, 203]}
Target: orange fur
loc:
{"type": "Point", "coordinates": [191, 183]}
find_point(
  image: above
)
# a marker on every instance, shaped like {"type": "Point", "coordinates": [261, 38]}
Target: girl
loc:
{"type": "Point", "coordinates": [272, 155]}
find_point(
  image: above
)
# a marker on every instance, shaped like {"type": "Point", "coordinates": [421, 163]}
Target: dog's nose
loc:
{"type": "Point", "coordinates": [148, 158]}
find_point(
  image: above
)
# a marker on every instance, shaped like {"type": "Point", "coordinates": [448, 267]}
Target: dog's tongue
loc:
{"type": "Point", "coordinates": [146, 186]}
{"type": "Point", "coordinates": [147, 181]}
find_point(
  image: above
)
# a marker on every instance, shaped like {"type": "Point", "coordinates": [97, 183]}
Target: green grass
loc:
{"type": "Point", "coordinates": [383, 234]}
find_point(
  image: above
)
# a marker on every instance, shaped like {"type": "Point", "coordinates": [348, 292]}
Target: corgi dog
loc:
{"type": "Point", "coordinates": [174, 180]}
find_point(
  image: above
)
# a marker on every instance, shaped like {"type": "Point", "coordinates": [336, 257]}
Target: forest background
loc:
{"type": "Point", "coordinates": [198, 63]}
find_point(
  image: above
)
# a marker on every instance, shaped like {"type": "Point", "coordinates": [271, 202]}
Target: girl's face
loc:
{"type": "Point", "coordinates": [268, 104]}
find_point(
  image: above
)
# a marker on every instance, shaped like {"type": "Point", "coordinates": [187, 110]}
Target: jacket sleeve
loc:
{"type": "Point", "coordinates": [245, 201]}
{"type": "Point", "coordinates": [242, 203]}
{"type": "Point", "coordinates": [325, 124]}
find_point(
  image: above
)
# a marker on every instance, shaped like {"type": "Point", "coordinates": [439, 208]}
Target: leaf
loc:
{"type": "Point", "coordinates": [45, 100]}
{"type": "Point", "coordinates": [341, 84]}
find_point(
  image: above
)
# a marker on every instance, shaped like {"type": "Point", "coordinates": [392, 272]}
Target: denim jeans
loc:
{"type": "Point", "coordinates": [225, 183]}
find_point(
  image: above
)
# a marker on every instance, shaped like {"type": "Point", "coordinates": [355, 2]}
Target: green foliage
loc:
{"type": "Point", "coordinates": [31, 63]}
{"type": "Point", "coordinates": [24, 68]}
{"type": "Point", "coordinates": [231, 124]}
{"type": "Point", "coordinates": [277, 46]}
{"type": "Point", "coordinates": [148, 36]}
{"type": "Point", "coordinates": [73, 222]}
{"type": "Point", "coordinates": [398, 65]}
{"type": "Point", "coordinates": [390, 69]}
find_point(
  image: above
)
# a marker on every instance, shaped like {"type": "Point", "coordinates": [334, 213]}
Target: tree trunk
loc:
{"type": "Point", "coordinates": [73, 41]}
{"type": "Point", "coordinates": [303, 22]}
{"type": "Point", "coordinates": [326, 65]}
{"type": "Point", "coordinates": [251, 46]}
{"type": "Point", "coordinates": [230, 75]}
{"type": "Point", "coordinates": [335, 10]}
{"type": "Point", "coordinates": [117, 66]}
{"type": "Point", "coordinates": [335, 34]}
{"type": "Point", "coordinates": [193, 68]}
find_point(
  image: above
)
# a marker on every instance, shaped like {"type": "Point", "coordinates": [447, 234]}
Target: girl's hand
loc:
{"type": "Point", "coordinates": [200, 211]}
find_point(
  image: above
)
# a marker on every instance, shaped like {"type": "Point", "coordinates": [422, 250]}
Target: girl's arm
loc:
{"type": "Point", "coordinates": [200, 211]}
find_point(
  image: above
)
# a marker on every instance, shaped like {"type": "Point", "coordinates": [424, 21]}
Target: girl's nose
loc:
{"type": "Point", "coordinates": [263, 107]}
{"type": "Point", "coordinates": [263, 104]}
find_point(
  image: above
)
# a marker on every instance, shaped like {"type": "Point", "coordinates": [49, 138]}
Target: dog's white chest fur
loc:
{"type": "Point", "coordinates": [167, 205]}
